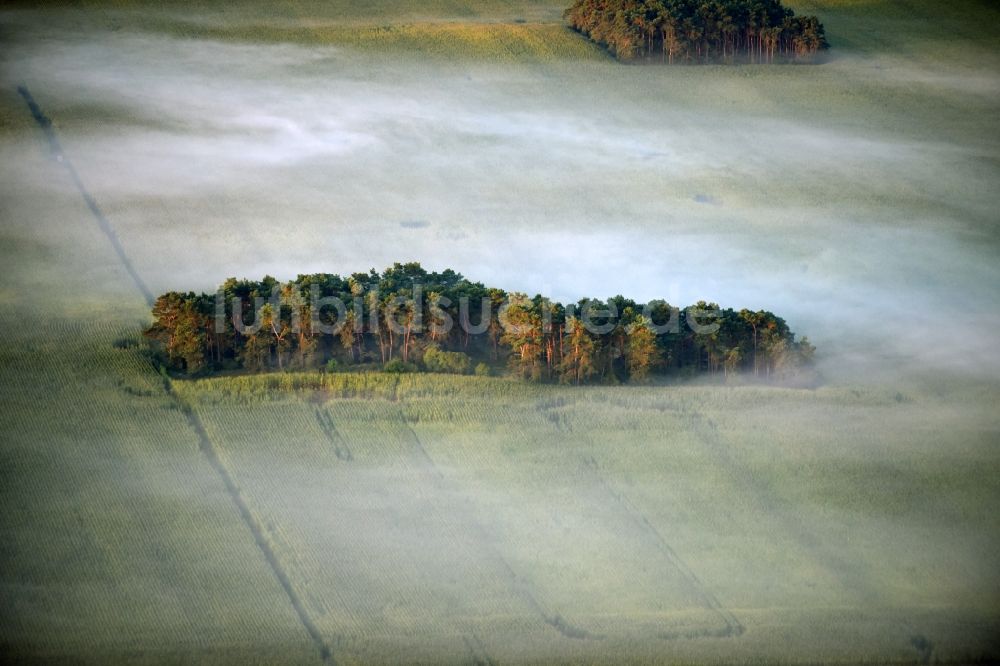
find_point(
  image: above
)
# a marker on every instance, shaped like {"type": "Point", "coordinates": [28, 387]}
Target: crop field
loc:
{"type": "Point", "coordinates": [374, 518]}
{"type": "Point", "coordinates": [485, 41]}
{"type": "Point", "coordinates": [589, 505]}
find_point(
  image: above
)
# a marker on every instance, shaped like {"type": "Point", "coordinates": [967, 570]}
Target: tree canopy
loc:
{"type": "Point", "coordinates": [698, 31]}
{"type": "Point", "coordinates": [407, 319]}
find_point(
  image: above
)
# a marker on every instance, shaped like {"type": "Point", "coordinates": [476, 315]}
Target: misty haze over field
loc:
{"type": "Point", "coordinates": [868, 230]}
{"type": "Point", "coordinates": [345, 514]}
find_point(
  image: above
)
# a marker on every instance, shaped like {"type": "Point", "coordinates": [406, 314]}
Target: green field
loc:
{"type": "Point", "coordinates": [369, 518]}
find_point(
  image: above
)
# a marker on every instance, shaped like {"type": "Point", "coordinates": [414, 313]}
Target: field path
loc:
{"type": "Point", "coordinates": [733, 627]}
{"type": "Point", "coordinates": [521, 588]}
{"type": "Point", "coordinates": [204, 443]}
{"type": "Point", "coordinates": [768, 505]}
{"type": "Point", "coordinates": [206, 446]}
{"type": "Point", "coordinates": [57, 153]}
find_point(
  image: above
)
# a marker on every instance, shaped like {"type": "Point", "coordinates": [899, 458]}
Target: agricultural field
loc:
{"type": "Point", "coordinates": [374, 518]}
{"type": "Point", "coordinates": [512, 506]}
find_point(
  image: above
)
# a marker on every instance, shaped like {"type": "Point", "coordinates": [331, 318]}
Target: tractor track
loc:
{"type": "Point", "coordinates": [102, 222]}
{"type": "Point", "coordinates": [329, 428]}
{"type": "Point", "coordinates": [732, 627]}
{"type": "Point", "coordinates": [765, 501]}
{"type": "Point", "coordinates": [522, 590]}
{"type": "Point", "coordinates": [208, 449]}
{"type": "Point", "coordinates": [194, 421]}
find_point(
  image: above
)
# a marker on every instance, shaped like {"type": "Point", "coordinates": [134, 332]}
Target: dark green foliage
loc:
{"type": "Point", "coordinates": [407, 318]}
{"type": "Point", "coordinates": [398, 367]}
{"type": "Point", "coordinates": [696, 31]}
{"type": "Point", "coordinates": [456, 363]}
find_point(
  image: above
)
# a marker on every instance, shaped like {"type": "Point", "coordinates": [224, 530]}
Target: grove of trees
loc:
{"type": "Point", "coordinates": [698, 31]}
{"type": "Point", "coordinates": [408, 319]}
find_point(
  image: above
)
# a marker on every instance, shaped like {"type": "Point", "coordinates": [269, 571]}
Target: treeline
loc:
{"type": "Point", "coordinates": [408, 319]}
{"type": "Point", "coordinates": [696, 31]}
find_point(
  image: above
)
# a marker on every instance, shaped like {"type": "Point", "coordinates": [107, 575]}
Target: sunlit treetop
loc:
{"type": "Point", "coordinates": [694, 31]}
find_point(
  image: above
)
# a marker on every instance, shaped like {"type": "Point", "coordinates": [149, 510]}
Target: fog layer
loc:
{"type": "Point", "coordinates": [870, 224]}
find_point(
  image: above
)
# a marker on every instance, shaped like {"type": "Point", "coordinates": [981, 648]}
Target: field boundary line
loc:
{"type": "Point", "coordinates": [329, 428]}
{"type": "Point", "coordinates": [211, 454]}
{"type": "Point", "coordinates": [522, 590]}
{"type": "Point", "coordinates": [477, 650]}
{"type": "Point", "coordinates": [733, 627]}
{"type": "Point", "coordinates": [194, 421]}
{"type": "Point", "coordinates": [45, 124]}
{"type": "Point", "coordinates": [771, 505]}
{"type": "Point", "coordinates": [706, 430]}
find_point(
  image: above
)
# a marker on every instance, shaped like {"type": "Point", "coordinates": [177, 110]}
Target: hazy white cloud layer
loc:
{"type": "Point", "coordinates": [215, 159]}
{"type": "Point", "coordinates": [831, 520]}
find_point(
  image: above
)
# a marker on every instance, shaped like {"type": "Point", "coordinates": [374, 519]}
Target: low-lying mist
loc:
{"type": "Point", "coordinates": [870, 227]}
{"type": "Point", "coordinates": [382, 518]}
